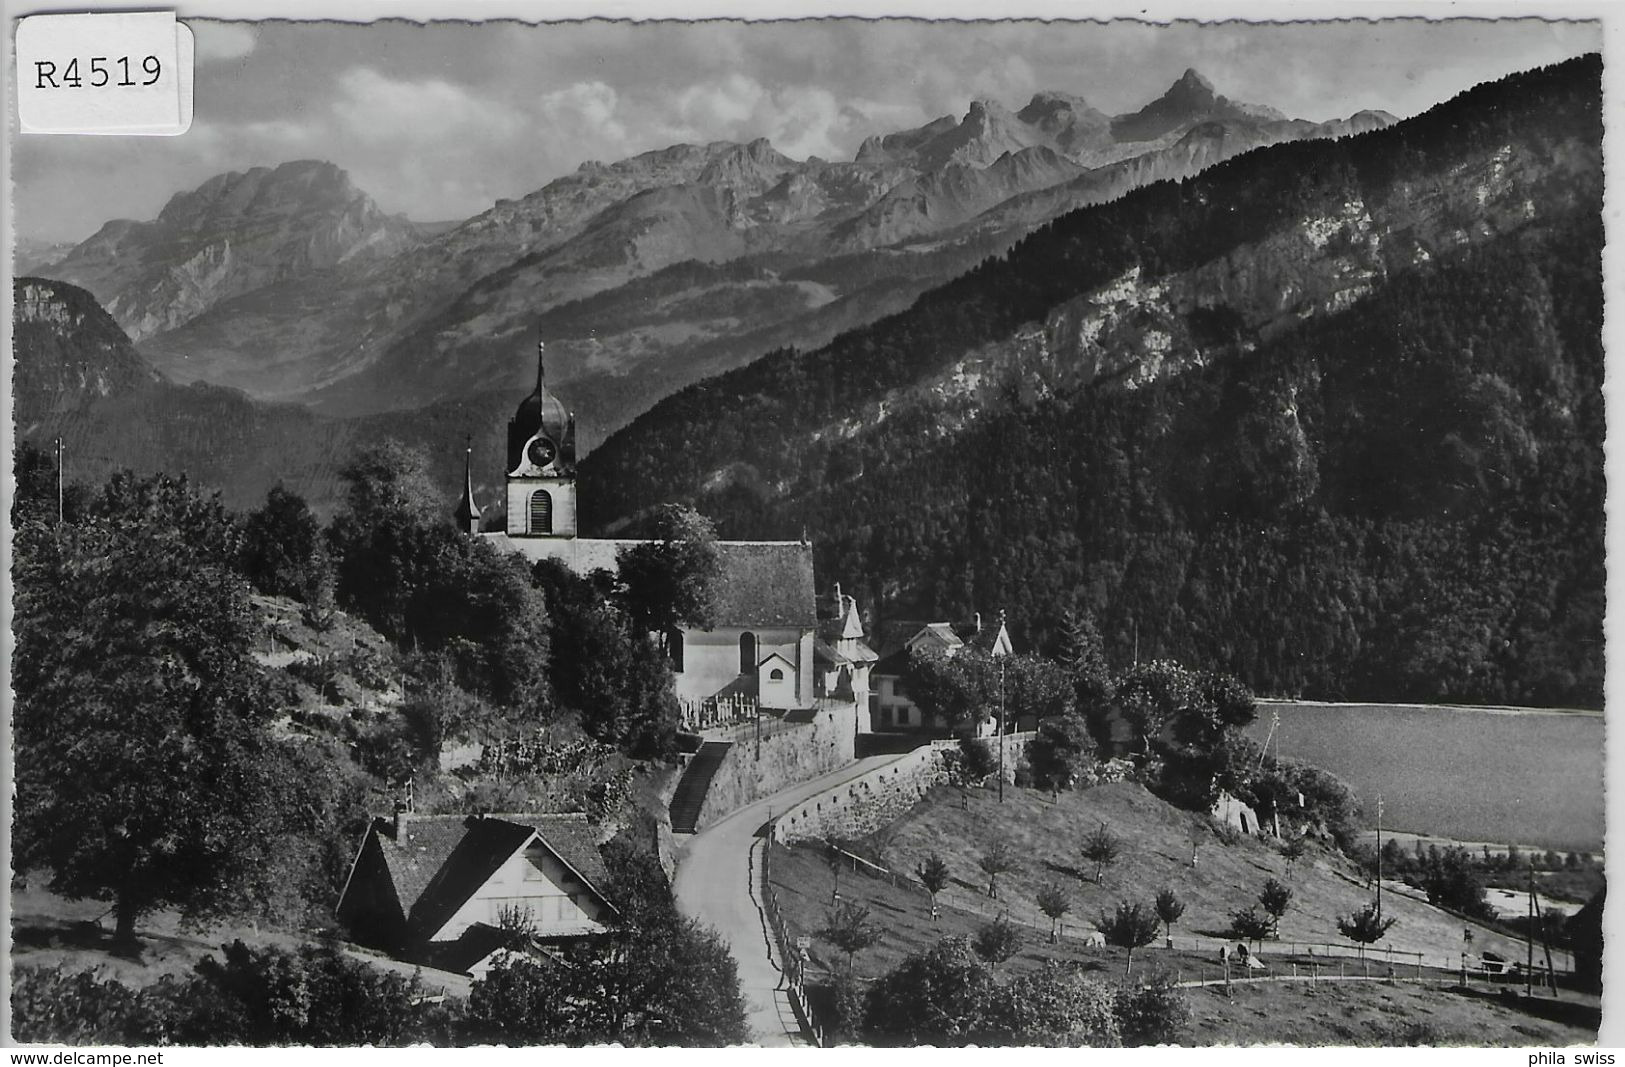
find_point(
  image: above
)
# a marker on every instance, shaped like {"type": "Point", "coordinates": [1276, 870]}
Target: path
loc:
{"type": "Point", "coordinates": [718, 871]}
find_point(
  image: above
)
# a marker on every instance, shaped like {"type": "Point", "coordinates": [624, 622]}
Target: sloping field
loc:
{"type": "Point", "coordinates": [1045, 836]}
{"type": "Point", "coordinates": [1527, 776]}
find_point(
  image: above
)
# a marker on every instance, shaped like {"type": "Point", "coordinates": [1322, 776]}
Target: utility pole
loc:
{"type": "Point", "coordinates": [1001, 729]}
{"type": "Point", "coordinates": [59, 481]}
{"type": "Point", "coordinates": [1529, 938]}
{"type": "Point", "coordinates": [1379, 857]}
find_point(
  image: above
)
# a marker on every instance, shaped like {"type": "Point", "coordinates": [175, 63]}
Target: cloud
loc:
{"type": "Point", "coordinates": [376, 108]}
{"type": "Point", "coordinates": [221, 41]}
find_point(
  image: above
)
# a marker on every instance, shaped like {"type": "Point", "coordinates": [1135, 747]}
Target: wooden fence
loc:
{"type": "Point", "coordinates": [791, 962]}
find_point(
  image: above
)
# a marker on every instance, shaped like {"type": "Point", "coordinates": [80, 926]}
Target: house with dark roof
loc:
{"type": "Point", "coordinates": [891, 707]}
{"type": "Point", "coordinates": [447, 891]}
{"type": "Point", "coordinates": [761, 649]}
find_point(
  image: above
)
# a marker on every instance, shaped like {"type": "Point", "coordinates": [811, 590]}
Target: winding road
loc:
{"type": "Point", "coordinates": [717, 879]}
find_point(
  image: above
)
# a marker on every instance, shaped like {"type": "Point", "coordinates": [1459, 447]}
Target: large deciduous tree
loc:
{"type": "Point", "coordinates": [431, 588]}
{"type": "Point", "coordinates": [143, 763]}
{"type": "Point", "coordinates": [971, 687]}
{"type": "Point", "coordinates": [670, 580]}
{"type": "Point", "coordinates": [281, 545]}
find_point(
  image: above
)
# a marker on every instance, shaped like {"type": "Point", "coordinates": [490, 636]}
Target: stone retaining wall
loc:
{"type": "Point", "coordinates": [794, 755]}
{"type": "Point", "coordinates": [870, 801]}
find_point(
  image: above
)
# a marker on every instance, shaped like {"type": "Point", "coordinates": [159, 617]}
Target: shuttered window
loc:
{"type": "Point", "coordinates": [541, 512]}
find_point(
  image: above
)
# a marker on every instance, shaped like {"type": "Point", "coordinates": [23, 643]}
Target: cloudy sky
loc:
{"type": "Point", "coordinates": [440, 121]}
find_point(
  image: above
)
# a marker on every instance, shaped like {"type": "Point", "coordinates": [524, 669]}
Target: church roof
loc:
{"type": "Point", "coordinates": [766, 584]}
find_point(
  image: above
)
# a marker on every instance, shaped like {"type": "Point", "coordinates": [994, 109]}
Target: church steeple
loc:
{"type": "Point", "coordinates": [468, 509]}
{"type": "Point", "coordinates": [541, 494]}
{"type": "Point", "coordinates": [542, 415]}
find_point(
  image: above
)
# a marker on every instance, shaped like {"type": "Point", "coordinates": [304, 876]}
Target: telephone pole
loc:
{"type": "Point", "coordinates": [1379, 857]}
{"type": "Point", "coordinates": [1001, 729]}
{"type": "Point", "coordinates": [59, 481]}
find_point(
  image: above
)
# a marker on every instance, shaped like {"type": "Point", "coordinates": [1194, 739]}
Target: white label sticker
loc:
{"type": "Point", "coordinates": [105, 73]}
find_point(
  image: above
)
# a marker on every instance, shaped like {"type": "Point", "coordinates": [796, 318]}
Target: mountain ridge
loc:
{"type": "Point", "coordinates": [451, 307]}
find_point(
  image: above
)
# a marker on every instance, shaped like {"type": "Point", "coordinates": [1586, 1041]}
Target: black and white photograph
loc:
{"type": "Point", "coordinates": [833, 532]}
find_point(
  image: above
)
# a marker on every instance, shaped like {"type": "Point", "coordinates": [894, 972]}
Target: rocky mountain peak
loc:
{"type": "Point", "coordinates": [1191, 86]}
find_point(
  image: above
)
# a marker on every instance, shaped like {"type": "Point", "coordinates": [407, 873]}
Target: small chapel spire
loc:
{"type": "Point", "coordinates": [541, 354]}
{"type": "Point", "coordinates": [468, 509]}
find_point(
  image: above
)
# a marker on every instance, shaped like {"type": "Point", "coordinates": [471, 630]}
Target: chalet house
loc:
{"type": "Point", "coordinates": [436, 889]}
{"type": "Point", "coordinates": [891, 708]}
{"type": "Point", "coordinates": [761, 649]}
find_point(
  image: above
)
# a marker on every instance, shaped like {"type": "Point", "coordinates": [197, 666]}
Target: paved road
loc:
{"type": "Point", "coordinates": [717, 876]}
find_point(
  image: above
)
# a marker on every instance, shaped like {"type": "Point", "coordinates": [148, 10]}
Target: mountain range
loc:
{"type": "Point", "coordinates": [1327, 416]}
{"type": "Point", "coordinates": [290, 284]}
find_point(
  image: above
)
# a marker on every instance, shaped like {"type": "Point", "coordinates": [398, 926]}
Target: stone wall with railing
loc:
{"type": "Point", "coordinates": [788, 753]}
{"type": "Point", "coordinates": [864, 804]}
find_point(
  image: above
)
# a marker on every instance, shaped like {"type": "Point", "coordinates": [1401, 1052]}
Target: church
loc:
{"type": "Point", "coordinates": [763, 651]}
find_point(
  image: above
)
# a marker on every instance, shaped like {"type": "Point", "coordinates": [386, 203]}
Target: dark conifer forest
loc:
{"type": "Point", "coordinates": [1401, 500]}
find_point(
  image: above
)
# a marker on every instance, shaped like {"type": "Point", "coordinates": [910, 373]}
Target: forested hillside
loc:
{"type": "Point", "coordinates": [1327, 416]}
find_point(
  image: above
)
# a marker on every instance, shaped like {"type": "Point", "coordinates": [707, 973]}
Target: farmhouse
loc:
{"type": "Point", "coordinates": [891, 706]}
{"type": "Point", "coordinates": [449, 891]}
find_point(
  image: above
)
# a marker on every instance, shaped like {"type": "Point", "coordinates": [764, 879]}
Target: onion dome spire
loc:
{"type": "Point", "coordinates": [541, 414]}
{"type": "Point", "coordinates": [468, 509]}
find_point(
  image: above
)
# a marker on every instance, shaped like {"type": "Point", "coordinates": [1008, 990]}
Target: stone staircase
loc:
{"type": "Point", "coordinates": [696, 782]}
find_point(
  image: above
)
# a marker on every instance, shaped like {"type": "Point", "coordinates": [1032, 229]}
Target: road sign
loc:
{"type": "Point", "coordinates": [804, 942]}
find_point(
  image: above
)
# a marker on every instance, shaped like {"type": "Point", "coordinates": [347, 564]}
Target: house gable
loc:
{"type": "Point", "coordinates": [536, 884]}
{"type": "Point", "coordinates": [424, 879]}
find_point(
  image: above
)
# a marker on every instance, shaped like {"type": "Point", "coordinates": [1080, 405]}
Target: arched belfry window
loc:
{"type": "Point", "coordinates": [747, 653]}
{"type": "Point", "coordinates": [541, 512]}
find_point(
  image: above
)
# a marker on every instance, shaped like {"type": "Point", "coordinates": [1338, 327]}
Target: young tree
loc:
{"type": "Point", "coordinates": [1248, 925]}
{"type": "Point", "coordinates": [1295, 849]}
{"type": "Point", "coordinates": [1275, 898]}
{"type": "Point", "coordinates": [1131, 926]}
{"type": "Point", "coordinates": [1169, 909]}
{"type": "Point", "coordinates": [1054, 902]}
{"type": "Point", "coordinates": [848, 928]}
{"type": "Point", "coordinates": [143, 774]}
{"type": "Point", "coordinates": [1102, 848]}
{"type": "Point", "coordinates": [998, 940]}
{"type": "Point", "coordinates": [1365, 927]}
{"type": "Point", "coordinates": [994, 862]}
{"type": "Point", "coordinates": [933, 874]}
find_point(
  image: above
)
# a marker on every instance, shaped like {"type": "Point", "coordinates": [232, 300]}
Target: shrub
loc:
{"type": "Point", "coordinates": [1153, 1014]}
{"type": "Point", "coordinates": [998, 940]}
{"type": "Point", "coordinates": [51, 1006]}
{"type": "Point", "coordinates": [1055, 1006]}
{"type": "Point", "coordinates": [844, 1022]}
{"type": "Point", "coordinates": [979, 761]}
{"type": "Point", "coordinates": [942, 996]}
